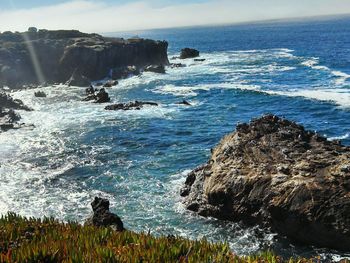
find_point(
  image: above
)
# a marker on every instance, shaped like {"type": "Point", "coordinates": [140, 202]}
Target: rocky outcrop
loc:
{"type": "Point", "coordinates": [274, 173]}
{"type": "Point", "coordinates": [102, 217]}
{"type": "Point", "coordinates": [8, 117]}
{"type": "Point", "coordinates": [46, 56]}
{"type": "Point", "coordinates": [7, 101]}
{"type": "Point", "coordinates": [135, 105]}
{"type": "Point", "coordinates": [189, 53]}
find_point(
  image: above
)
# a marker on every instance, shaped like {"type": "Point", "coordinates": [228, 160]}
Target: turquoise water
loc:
{"type": "Point", "coordinates": [139, 159]}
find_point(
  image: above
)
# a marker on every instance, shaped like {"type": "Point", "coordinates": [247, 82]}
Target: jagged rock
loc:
{"type": "Point", "coordinates": [110, 83]}
{"type": "Point", "coordinates": [189, 53]}
{"type": "Point", "coordinates": [136, 105]}
{"type": "Point", "coordinates": [7, 101]}
{"type": "Point", "coordinates": [155, 69]}
{"type": "Point", "coordinates": [99, 96]}
{"type": "Point", "coordinates": [102, 217]}
{"type": "Point", "coordinates": [8, 119]}
{"type": "Point", "coordinates": [61, 52]}
{"type": "Point", "coordinates": [124, 72]}
{"type": "Point", "coordinates": [102, 96]}
{"type": "Point", "coordinates": [78, 80]}
{"type": "Point", "coordinates": [90, 90]}
{"type": "Point", "coordinates": [40, 94]}
{"type": "Point", "coordinates": [274, 173]}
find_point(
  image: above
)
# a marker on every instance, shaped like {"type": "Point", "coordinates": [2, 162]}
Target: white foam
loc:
{"type": "Point", "coordinates": [342, 137]}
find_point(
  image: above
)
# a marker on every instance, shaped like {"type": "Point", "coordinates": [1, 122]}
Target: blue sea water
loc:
{"type": "Point", "coordinates": [139, 159]}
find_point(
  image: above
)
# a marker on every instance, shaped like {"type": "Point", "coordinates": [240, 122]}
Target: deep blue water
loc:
{"type": "Point", "coordinates": [139, 159]}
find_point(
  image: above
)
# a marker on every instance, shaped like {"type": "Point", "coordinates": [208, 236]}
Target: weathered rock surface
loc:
{"type": "Point", "coordinates": [102, 217]}
{"type": "Point", "coordinates": [189, 53]}
{"type": "Point", "coordinates": [61, 53]}
{"type": "Point", "coordinates": [136, 105]}
{"type": "Point", "coordinates": [155, 69]}
{"type": "Point", "coordinates": [275, 173]}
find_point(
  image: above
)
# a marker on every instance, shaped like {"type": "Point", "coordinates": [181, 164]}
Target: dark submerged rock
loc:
{"type": "Point", "coordinates": [199, 59]}
{"type": "Point", "coordinates": [136, 105]}
{"type": "Point", "coordinates": [184, 102]}
{"type": "Point", "coordinates": [177, 65]}
{"type": "Point", "coordinates": [189, 53]}
{"type": "Point", "coordinates": [102, 217]}
{"type": "Point", "coordinates": [274, 173]}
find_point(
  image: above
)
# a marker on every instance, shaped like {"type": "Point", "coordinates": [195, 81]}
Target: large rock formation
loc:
{"type": "Point", "coordinates": [102, 217]}
{"type": "Point", "coordinates": [275, 173]}
{"type": "Point", "coordinates": [53, 56]}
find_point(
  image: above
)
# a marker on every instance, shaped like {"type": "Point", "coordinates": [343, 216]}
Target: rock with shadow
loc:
{"type": "Point", "coordinates": [102, 217]}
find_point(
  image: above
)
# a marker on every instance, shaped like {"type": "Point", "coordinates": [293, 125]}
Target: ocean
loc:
{"type": "Point", "coordinates": [299, 69]}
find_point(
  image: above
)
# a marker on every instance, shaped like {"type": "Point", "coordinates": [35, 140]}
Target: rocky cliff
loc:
{"type": "Point", "coordinates": [44, 56]}
{"type": "Point", "coordinates": [274, 173]}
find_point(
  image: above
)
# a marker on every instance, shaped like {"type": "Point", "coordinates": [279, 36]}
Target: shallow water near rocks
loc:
{"type": "Point", "coordinates": [139, 159]}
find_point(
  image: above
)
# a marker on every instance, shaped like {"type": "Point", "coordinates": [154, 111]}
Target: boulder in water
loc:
{"type": "Point", "coordinates": [189, 53]}
{"type": "Point", "coordinates": [274, 173]}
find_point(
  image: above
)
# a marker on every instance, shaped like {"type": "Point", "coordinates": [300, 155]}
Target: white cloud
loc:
{"type": "Point", "coordinates": [96, 16]}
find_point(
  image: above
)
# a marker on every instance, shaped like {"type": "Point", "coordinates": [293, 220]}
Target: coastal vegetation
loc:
{"type": "Point", "coordinates": [48, 240]}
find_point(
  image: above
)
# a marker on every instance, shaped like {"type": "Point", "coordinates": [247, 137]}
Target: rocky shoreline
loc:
{"type": "Point", "coordinates": [274, 173]}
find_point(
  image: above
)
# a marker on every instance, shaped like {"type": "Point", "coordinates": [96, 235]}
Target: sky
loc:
{"type": "Point", "coordinates": [125, 15]}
